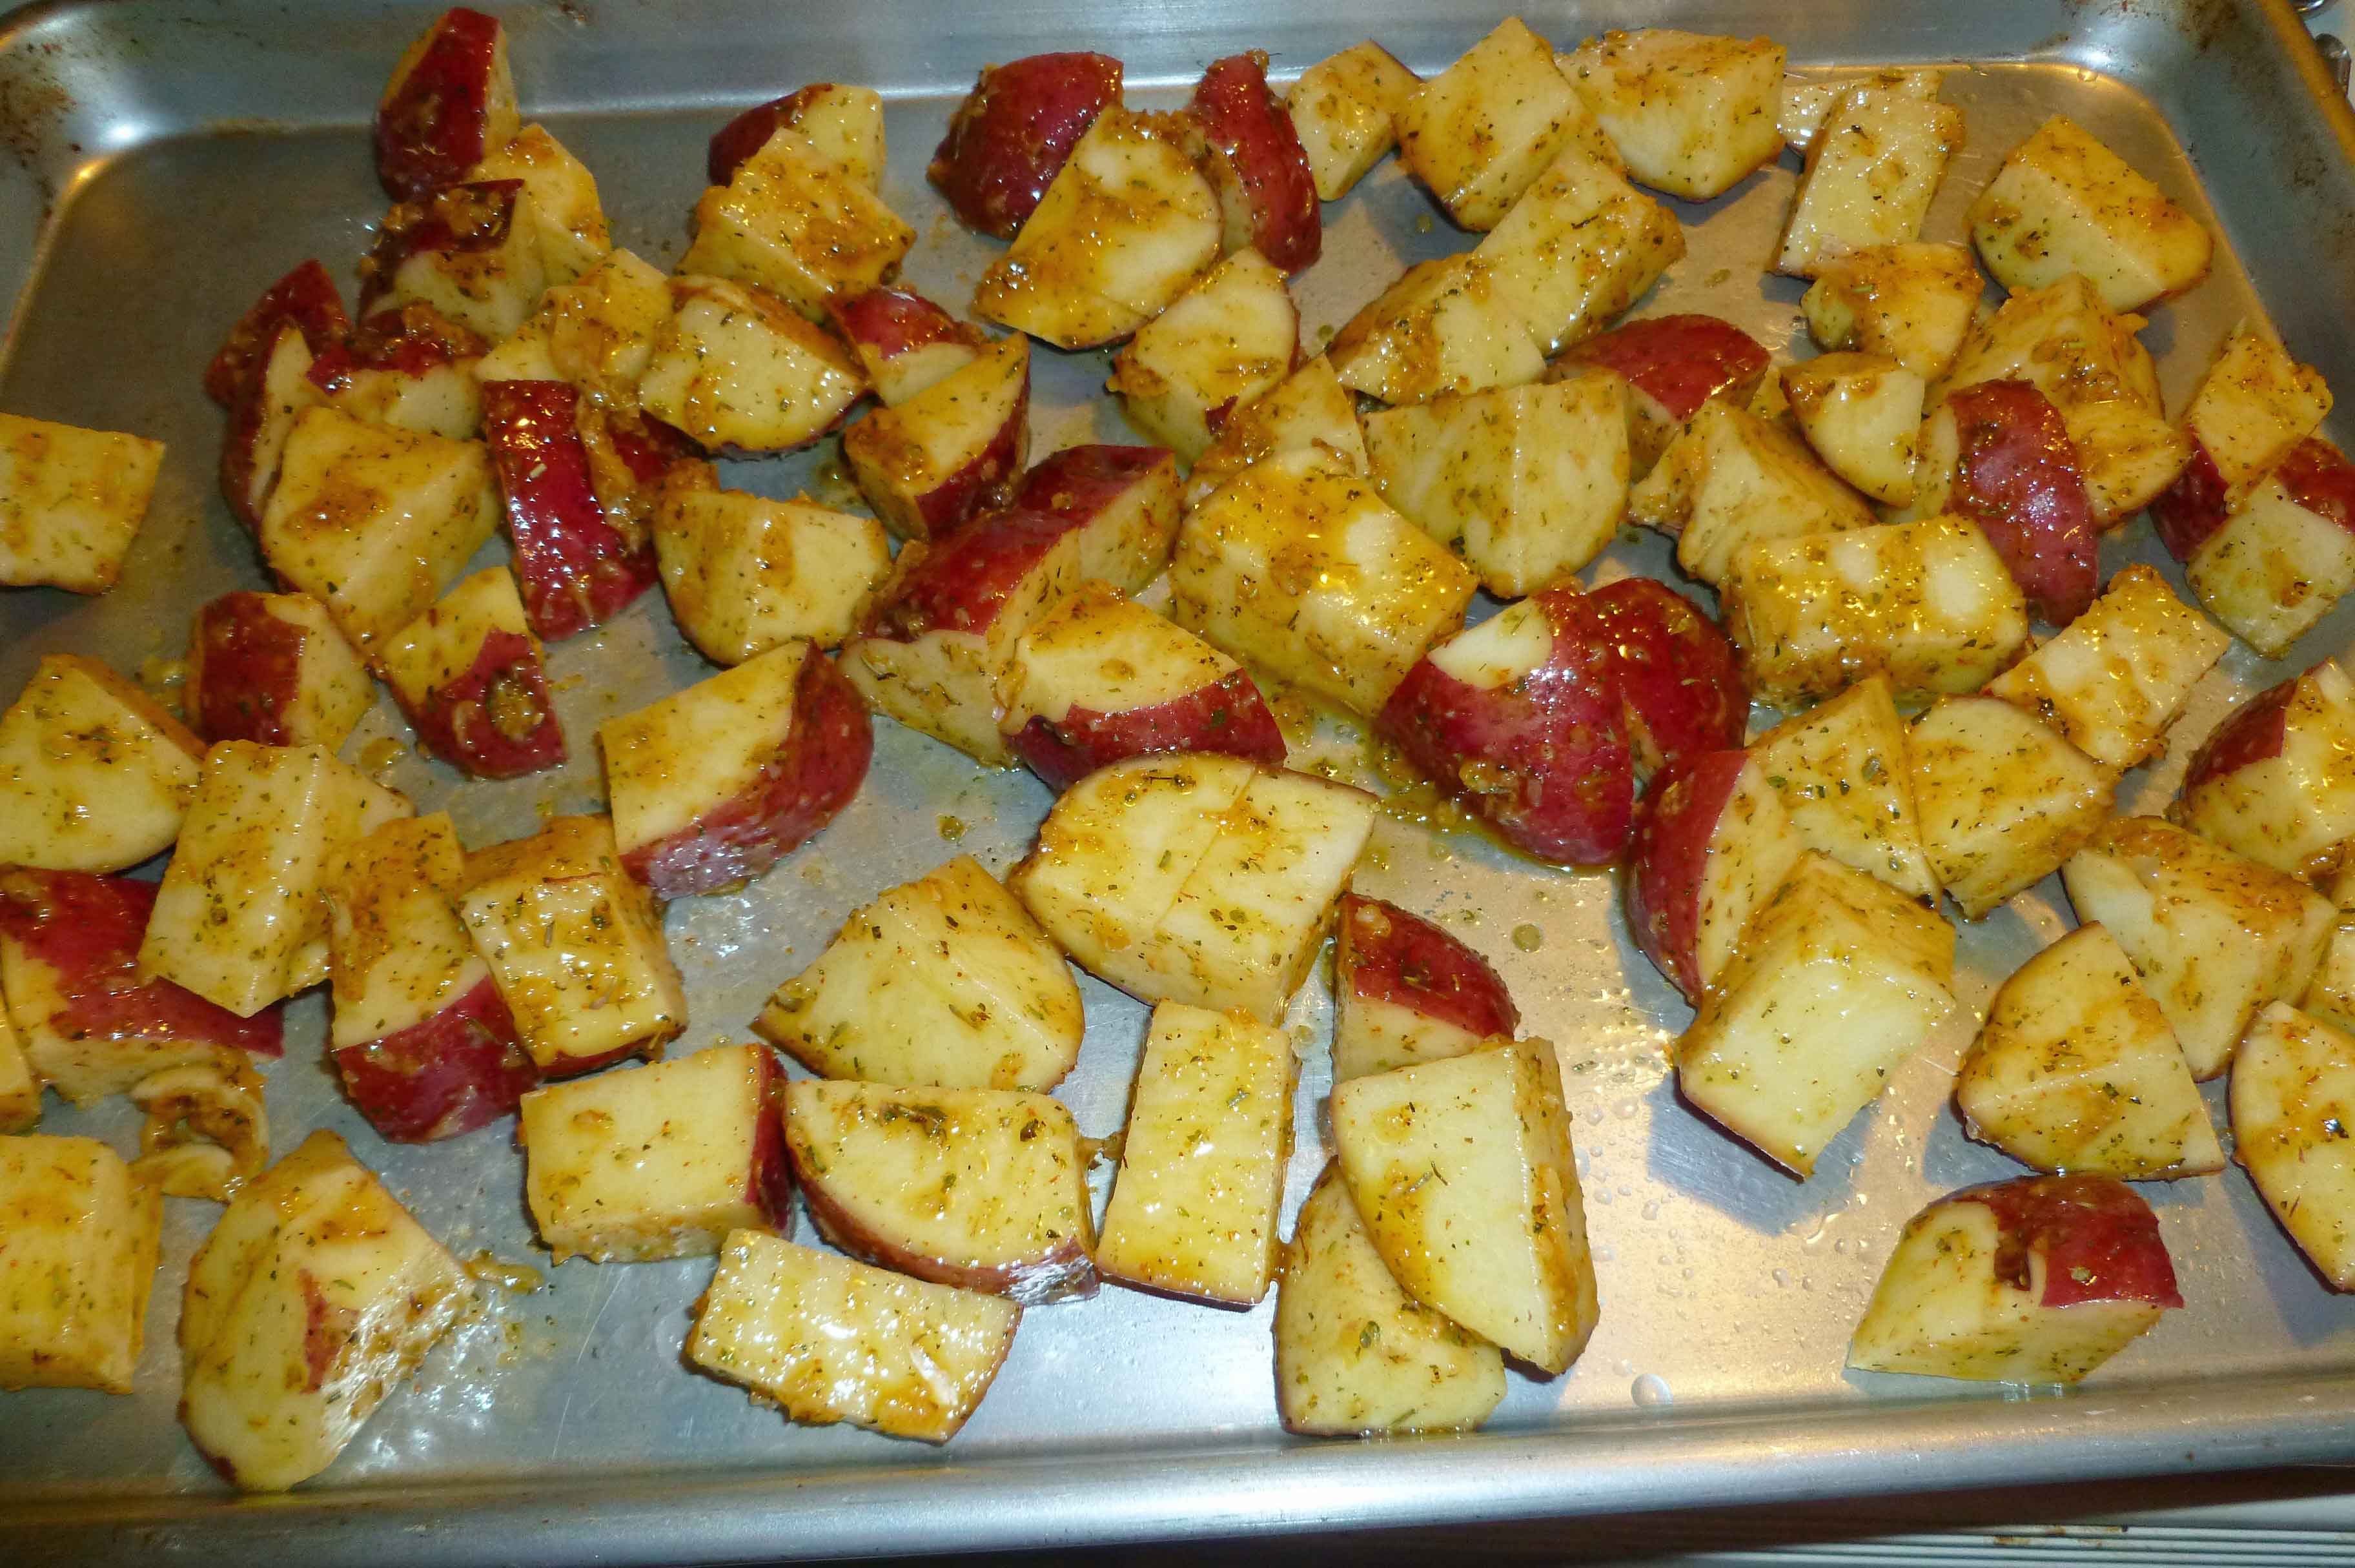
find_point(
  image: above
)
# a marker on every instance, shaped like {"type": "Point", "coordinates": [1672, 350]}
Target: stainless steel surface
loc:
{"type": "Point", "coordinates": [159, 165]}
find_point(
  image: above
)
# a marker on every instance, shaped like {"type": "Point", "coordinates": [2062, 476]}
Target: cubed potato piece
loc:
{"type": "Point", "coordinates": [1228, 338]}
{"type": "Point", "coordinates": [1913, 301]}
{"type": "Point", "coordinates": [1497, 1241]}
{"type": "Point", "coordinates": [1733, 479]}
{"type": "Point", "coordinates": [1454, 324]}
{"type": "Point", "coordinates": [715, 783]}
{"type": "Point", "coordinates": [843, 124]}
{"type": "Point", "coordinates": [745, 574]}
{"type": "Point", "coordinates": [1870, 174]}
{"type": "Point", "coordinates": [2116, 678]}
{"type": "Point", "coordinates": [943, 981]}
{"type": "Point", "coordinates": [2076, 1068]}
{"type": "Point", "coordinates": [1690, 112]}
{"type": "Point", "coordinates": [828, 1340]}
{"type": "Point", "coordinates": [241, 916]}
{"type": "Point", "coordinates": [1345, 110]}
{"type": "Point", "coordinates": [2276, 781]}
{"type": "Point", "coordinates": [1479, 134]}
{"type": "Point", "coordinates": [1929, 604]}
{"type": "Point", "coordinates": [2254, 405]}
{"type": "Point", "coordinates": [981, 1189]}
{"type": "Point", "coordinates": [1300, 569]}
{"type": "Point", "coordinates": [2064, 203]}
{"type": "Point", "coordinates": [575, 945]}
{"type": "Point", "coordinates": [272, 668]}
{"type": "Point", "coordinates": [314, 1297]}
{"type": "Point", "coordinates": [1840, 769]}
{"type": "Point", "coordinates": [79, 1234]}
{"type": "Point", "coordinates": [657, 1162]}
{"type": "Point", "coordinates": [1128, 222]}
{"type": "Point", "coordinates": [1581, 246]}
{"type": "Point", "coordinates": [736, 369]}
{"type": "Point", "coordinates": [561, 204]}
{"type": "Point", "coordinates": [2002, 798]}
{"type": "Point", "coordinates": [374, 522]}
{"type": "Point", "coordinates": [597, 332]}
{"type": "Point", "coordinates": [2215, 937]}
{"type": "Point", "coordinates": [1860, 412]}
{"type": "Point", "coordinates": [1309, 411]}
{"type": "Point", "coordinates": [1194, 1206]}
{"type": "Point", "coordinates": [473, 679]}
{"type": "Point", "coordinates": [2062, 340]}
{"type": "Point", "coordinates": [2330, 994]}
{"type": "Point", "coordinates": [468, 249]}
{"type": "Point", "coordinates": [1528, 483]}
{"type": "Point", "coordinates": [1355, 1355]}
{"type": "Point", "coordinates": [1405, 990]}
{"type": "Point", "coordinates": [1196, 878]}
{"type": "Point", "coordinates": [71, 501]}
{"type": "Point", "coordinates": [2293, 1095]}
{"type": "Point", "coordinates": [1839, 978]}
{"type": "Point", "coordinates": [2039, 1280]}
{"type": "Point", "coordinates": [450, 100]}
{"type": "Point", "coordinates": [1712, 845]}
{"type": "Point", "coordinates": [1809, 101]}
{"type": "Point", "coordinates": [931, 463]}
{"type": "Point", "coordinates": [798, 225]}
{"type": "Point", "coordinates": [95, 775]}
{"type": "Point", "coordinates": [2285, 559]}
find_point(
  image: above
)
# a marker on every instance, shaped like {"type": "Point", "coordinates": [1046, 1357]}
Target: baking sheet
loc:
{"type": "Point", "coordinates": [159, 166]}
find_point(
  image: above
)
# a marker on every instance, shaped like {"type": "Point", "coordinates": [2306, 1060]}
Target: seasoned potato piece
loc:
{"type": "Point", "coordinates": [1479, 134]}
{"type": "Point", "coordinates": [1731, 480]}
{"type": "Point", "coordinates": [70, 502]}
{"type": "Point", "coordinates": [745, 574]}
{"type": "Point", "coordinates": [1870, 173]}
{"type": "Point", "coordinates": [2116, 678]}
{"type": "Point", "coordinates": [1310, 411]}
{"type": "Point", "coordinates": [735, 368]}
{"type": "Point", "coordinates": [1691, 114]}
{"type": "Point", "coordinates": [1448, 324]}
{"type": "Point", "coordinates": [1913, 301]}
{"type": "Point", "coordinates": [2003, 800]}
{"type": "Point", "coordinates": [1581, 246]}
{"type": "Point", "coordinates": [795, 224]}
{"type": "Point", "coordinates": [1860, 411]}
{"type": "Point", "coordinates": [79, 1234]}
{"type": "Point", "coordinates": [1840, 769]}
{"type": "Point", "coordinates": [2064, 203]}
{"type": "Point", "coordinates": [94, 774]}
{"type": "Point", "coordinates": [1345, 110]}
{"type": "Point", "coordinates": [1228, 338]}
{"type": "Point", "coordinates": [2293, 1095]}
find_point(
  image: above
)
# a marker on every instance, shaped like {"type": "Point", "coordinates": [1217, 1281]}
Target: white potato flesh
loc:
{"type": "Point", "coordinates": [1310, 411]}
{"type": "Point", "coordinates": [95, 775]}
{"type": "Point", "coordinates": [399, 952]}
{"type": "Point", "coordinates": [793, 222]}
{"type": "Point", "coordinates": [71, 501]}
{"type": "Point", "coordinates": [1860, 411]}
{"type": "Point", "coordinates": [1105, 653]}
{"type": "Point", "coordinates": [560, 203]}
{"type": "Point", "coordinates": [2003, 800]}
{"type": "Point", "coordinates": [734, 368]}
{"type": "Point", "coordinates": [1227, 339]}
{"type": "Point", "coordinates": [1732, 479]}
{"type": "Point", "coordinates": [1838, 979]}
{"type": "Point", "coordinates": [1912, 301]}
{"type": "Point", "coordinates": [745, 574]}
{"type": "Point", "coordinates": [2292, 1099]}
{"type": "Point", "coordinates": [79, 1234]}
{"type": "Point", "coordinates": [2290, 810]}
{"type": "Point", "coordinates": [1690, 112]}
{"type": "Point", "coordinates": [2253, 406]}
{"type": "Point", "coordinates": [1454, 324]}
{"type": "Point", "coordinates": [1840, 769]}
{"type": "Point", "coordinates": [597, 332]}
{"type": "Point", "coordinates": [1479, 134]}
{"type": "Point", "coordinates": [1872, 172]}
{"type": "Point", "coordinates": [1581, 246]}
{"type": "Point", "coordinates": [1345, 110]}
{"type": "Point", "coordinates": [2064, 203]}
{"type": "Point", "coordinates": [2273, 570]}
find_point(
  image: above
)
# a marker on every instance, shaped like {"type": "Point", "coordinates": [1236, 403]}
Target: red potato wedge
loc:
{"type": "Point", "coordinates": [1100, 678]}
{"type": "Point", "coordinates": [411, 366]}
{"type": "Point", "coordinates": [92, 1026]}
{"type": "Point", "coordinates": [1257, 164]}
{"type": "Point", "coordinates": [469, 674]}
{"type": "Point", "coordinates": [1007, 140]}
{"type": "Point", "coordinates": [1712, 843]}
{"type": "Point", "coordinates": [1672, 365]}
{"type": "Point", "coordinates": [305, 299]}
{"type": "Point", "coordinates": [2039, 1280]}
{"type": "Point", "coordinates": [465, 249]}
{"type": "Point", "coordinates": [449, 103]}
{"type": "Point", "coordinates": [1678, 676]}
{"type": "Point", "coordinates": [1519, 719]}
{"type": "Point", "coordinates": [443, 1076]}
{"type": "Point", "coordinates": [2272, 780]}
{"type": "Point", "coordinates": [1122, 500]}
{"type": "Point", "coordinates": [981, 1189]}
{"type": "Point", "coordinates": [263, 413]}
{"type": "Point", "coordinates": [576, 569]}
{"type": "Point", "coordinates": [714, 785]}
{"type": "Point", "coordinates": [954, 450]}
{"type": "Point", "coordinates": [2287, 557]}
{"type": "Point", "coordinates": [904, 342]}
{"type": "Point", "coordinates": [740, 374]}
{"type": "Point", "coordinates": [844, 122]}
{"type": "Point", "coordinates": [1998, 453]}
{"type": "Point", "coordinates": [1406, 991]}
{"type": "Point", "coordinates": [272, 668]}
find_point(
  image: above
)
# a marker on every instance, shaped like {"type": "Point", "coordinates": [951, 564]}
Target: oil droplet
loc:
{"type": "Point", "coordinates": [1423, 223]}
{"type": "Point", "coordinates": [951, 828]}
{"type": "Point", "coordinates": [1651, 1391]}
{"type": "Point", "coordinates": [1528, 937]}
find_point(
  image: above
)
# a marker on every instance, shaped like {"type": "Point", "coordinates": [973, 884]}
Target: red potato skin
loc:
{"type": "Point", "coordinates": [987, 478]}
{"type": "Point", "coordinates": [305, 299]}
{"type": "Point", "coordinates": [1551, 768]}
{"type": "Point", "coordinates": [748, 132]}
{"type": "Point", "coordinates": [2193, 507]}
{"type": "Point", "coordinates": [769, 1184]}
{"type": "Point", "coordinates": [496, 720]}
{"type": "Point", "coordinates": [247, 415]}
{"type": "Point", "coordinates": [1678, 361]}
{"type": "Point", "coordinates": [1078, 482]}
{"type": "Point", "coordinates": [958, 583]}
{"type": "Point", "coordinates": [2252, 732]}
{"type": "Point", "coordinates": [2100, 1239]}
{"type": "Point", "coordinates": [2016, 476]}
{"type": "Point", "coordinates": [1679, 678]}
{"type": "Point", "coordinates": [817, 768]}
{"type": "Point", "coordinates": [2319, 477]}
{"type": "Point", "coordinates": [1673, 827]}
{"type": "Point", "coordinates": [87, 929]}
{"type": "Point", "coordinates": [408, 341]}
{"type": "Point", "coordinates": [887, 323]}
{"type": "Point", "coordinates": [575, 569]}
{"type": "Point", "coordinates": [429, 130]}
{"type": "Point", "coordinates": [454, 220]}
{"type": "Point", "coordinates": [1009, 139]}
{"type": "Point", "coordinates": [448, 1074]}
{"type": "Point", "coordinates": [1228, 716]}
{"type": "Point", "coordinates": [1386, 955]}
{"type": "Point", "coordinates": [1254, 153]}
{"type": "Point", "coordinates": [245, 664]}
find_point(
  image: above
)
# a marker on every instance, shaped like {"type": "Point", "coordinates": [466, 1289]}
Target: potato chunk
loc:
{"type": "Point", "coordinates": [1690, 112]}
{"type": "Point", "coordinates": [1870, 173]}
{"type": "Point", "coordinates": [94, 774]}
{"type": "Point", "coordinates": [78, 1240]}
{"type": "Point", "coordinates": [2064, 203]}
{"type": "Point", "coordinates": [1733, 479]}
{"type": "Point", "coordinates": [795, 223]}
{"type": "Point", "coordinates": [1345, 110]}
{"type": "Point", "coordinates": [2003, 799]}
{"type": "Point", "coordinates": [2293, 1098]}
{"type": "Point", "coordinates": [1841, 770]}
{"type": "Point", "coordinates": [1480, 133]}
{"type": "Point", "coordinates": [70, 502]}
{"type": "Point", "coordinates": [1913, 301]}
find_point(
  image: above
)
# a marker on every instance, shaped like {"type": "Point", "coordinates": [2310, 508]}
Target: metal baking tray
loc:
{"type": "Point", "coordinates": [161, 161]}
